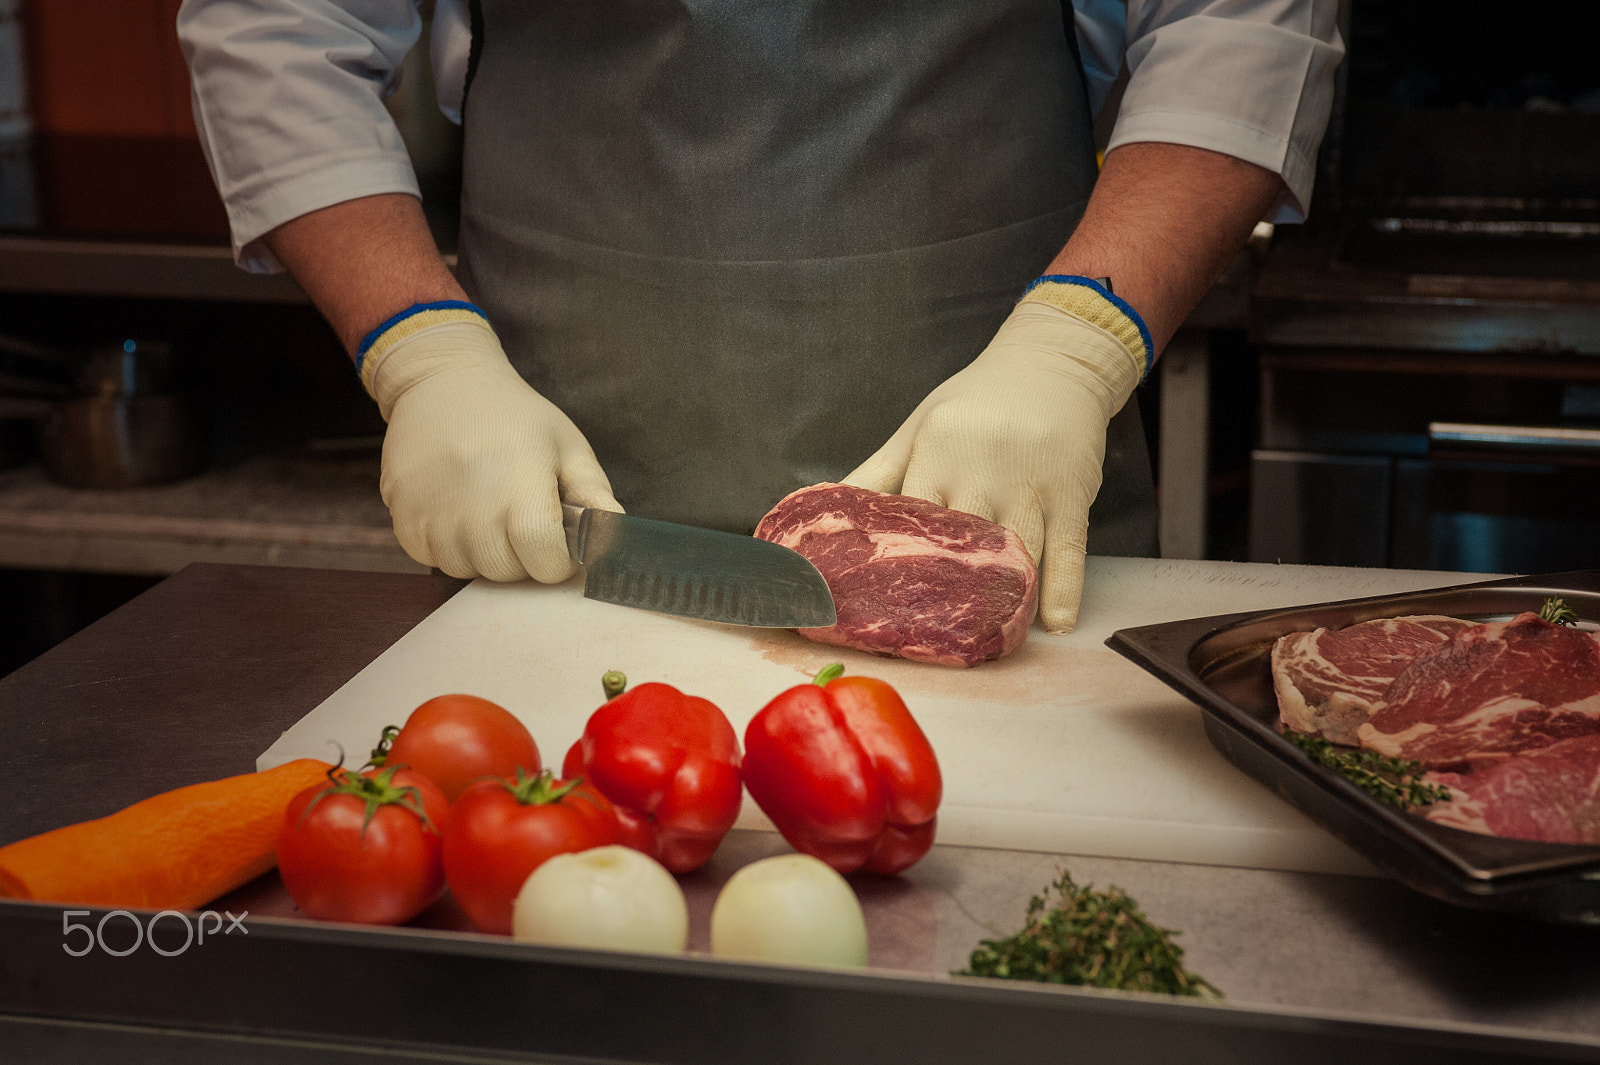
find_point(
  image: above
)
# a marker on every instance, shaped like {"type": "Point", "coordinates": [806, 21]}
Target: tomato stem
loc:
{"type": "Point", "coordinates": [374, 791]}
{"type": "Point", "coordinates": [614, 683]}
{"type": "Point", "coordinates": [380, 753]}
{"type": "Point", "coordinates": [829, 672]}
{"type": "Point", "coordinates": [540, 789]}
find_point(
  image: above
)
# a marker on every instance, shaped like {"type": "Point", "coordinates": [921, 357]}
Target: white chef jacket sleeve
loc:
{"type": "Point", "coordinates": [1249, 78]}
{"type": "Point", "coordinates": [288, 99]}
{"type": "Point", "coordinates": [450, 49]}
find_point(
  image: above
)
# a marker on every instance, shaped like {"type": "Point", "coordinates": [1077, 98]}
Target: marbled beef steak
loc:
{"type": "Point", "coordinates": [1550, 794]}
{"type": "Point", "coordinates": [1329, 681]}
{"type": "Point", "coordinates": [1489, 692]}
{"type": "Point", "coordinates": [910, 578]}
{"type": "Point", "coordinates": [1506, 714]}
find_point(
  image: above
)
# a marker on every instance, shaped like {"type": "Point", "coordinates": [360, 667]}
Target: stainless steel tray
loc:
{"type": "Point", "coordinates": [1223, 663]}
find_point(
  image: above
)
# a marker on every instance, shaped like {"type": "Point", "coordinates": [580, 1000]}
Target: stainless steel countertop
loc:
{"type": "Point", "coordinates": [194, 678]}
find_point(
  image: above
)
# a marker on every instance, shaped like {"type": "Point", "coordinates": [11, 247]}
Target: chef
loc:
{"type": "Point", "coordinates": [712, 251]}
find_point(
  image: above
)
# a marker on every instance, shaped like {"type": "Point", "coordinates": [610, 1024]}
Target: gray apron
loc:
{"type": "Point", "coordinates": [737, 242]}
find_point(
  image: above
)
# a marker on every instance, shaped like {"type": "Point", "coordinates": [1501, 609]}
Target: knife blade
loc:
{"type": "Point", "coordinates": [697, 573]}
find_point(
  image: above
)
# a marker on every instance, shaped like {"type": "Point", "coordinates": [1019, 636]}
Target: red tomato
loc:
{"type": "Point", "coordinates": [454, 740]}
{"type": "Point", "coordinates": [500, 832]}
{"type": "Point", "coordinates": [357, 848]}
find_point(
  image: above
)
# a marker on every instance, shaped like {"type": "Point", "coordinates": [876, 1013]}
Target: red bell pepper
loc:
{"type": "Point", "coordinates": [845, 772]}
{"type": "Point", "coordinates": [669, 763]}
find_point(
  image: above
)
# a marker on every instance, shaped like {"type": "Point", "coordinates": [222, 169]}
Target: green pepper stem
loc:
{"type": "Point", "coordinates": [614, 683]}
{"type": "Point", "coordinates": [829, 672]}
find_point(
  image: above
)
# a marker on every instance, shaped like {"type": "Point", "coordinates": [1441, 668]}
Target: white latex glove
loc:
{"type": "Point", "coordinates": [475, 462]}
{"type": "Point", "coordinates": [1019, 436]}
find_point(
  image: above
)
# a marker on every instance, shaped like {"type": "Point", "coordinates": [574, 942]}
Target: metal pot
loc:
{"type": "Point", "coordinates": [133, 421]}
{"type": "Point", "coordinates": [122, 441]}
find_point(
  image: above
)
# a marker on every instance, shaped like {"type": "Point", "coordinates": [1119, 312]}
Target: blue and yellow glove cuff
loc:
{"type": "Point", "coordinates": [1088, 299]}
{"type": "Point", "coordinates": [407, 323]}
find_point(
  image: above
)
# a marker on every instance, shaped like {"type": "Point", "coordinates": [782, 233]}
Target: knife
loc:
{"type": "Point", "coordinates": [695, 573]}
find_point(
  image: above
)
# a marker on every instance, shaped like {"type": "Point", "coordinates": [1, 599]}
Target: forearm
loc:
{"type": "Point", "coordinates": [1163, 223]}
{"type": "Point", "coordinates": [363, 261]}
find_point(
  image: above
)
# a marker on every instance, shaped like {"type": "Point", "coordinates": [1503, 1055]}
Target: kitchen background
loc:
{"type": "Point", "coordinates": [1409, 380]}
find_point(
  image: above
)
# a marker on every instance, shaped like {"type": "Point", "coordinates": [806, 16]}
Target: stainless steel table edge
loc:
{"type": "Point", "coordinates": [289, 990]}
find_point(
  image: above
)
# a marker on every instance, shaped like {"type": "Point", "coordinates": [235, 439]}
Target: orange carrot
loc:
{"type": "Point", "coordinates": [177, 850]}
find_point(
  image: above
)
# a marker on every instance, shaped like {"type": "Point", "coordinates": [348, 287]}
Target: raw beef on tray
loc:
{"type": "Point", "coordinates": [1489, 692]}
{"type": "Point", "coordinates": [1550, 794]}
{"type": "Point", "coordinates": [1329, 681]}
{"type": "Point", "coordinates": [910, 578]}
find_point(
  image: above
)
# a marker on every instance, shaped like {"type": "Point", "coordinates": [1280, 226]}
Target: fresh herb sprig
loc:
{"type": "Point", "coordinates": [1393, 780]}
{"type": "Point", "coordinates": [1089, 938]}
{"type": "Point", "coordinates": [1556, 611]}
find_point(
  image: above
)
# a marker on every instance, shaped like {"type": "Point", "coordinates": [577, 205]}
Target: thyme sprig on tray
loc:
{"type": "Point", "coordinates": [1393, 780]}
{"type": "Point", "coordinates": [1556, 611]}
{"type": "Point", "coordinates": [1092, 939]}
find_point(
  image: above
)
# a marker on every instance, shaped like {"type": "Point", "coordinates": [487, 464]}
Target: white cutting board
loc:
{"type": "Point", "coordinates": [1063, 746]}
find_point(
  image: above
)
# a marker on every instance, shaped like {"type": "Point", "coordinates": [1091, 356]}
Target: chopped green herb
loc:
{"type": "Point", "coordinates": [1393, 780]}
{"type": "Point", "coordinates": [1089, 938]}
{"type": "Point", "coordinates": [1556, 611]}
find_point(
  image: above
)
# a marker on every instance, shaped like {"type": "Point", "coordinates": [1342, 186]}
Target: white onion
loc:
{"type": "Point", "coordinates": [792, 909]}
{"type": "Point", "coordinates": [614, 898]}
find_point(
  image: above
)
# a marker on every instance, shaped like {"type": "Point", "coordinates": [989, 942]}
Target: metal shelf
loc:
{"type": "Point", "coordinates": [297, 510]}
{"type": "Point", "coordinates": [131, 269]}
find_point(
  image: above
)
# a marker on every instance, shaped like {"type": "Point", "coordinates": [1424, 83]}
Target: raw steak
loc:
{"type": "Point", "coordinates": [1550, 794]}
{"type": "Point", "coordinates": [910, 578]}
{"type": "Point", "coordinates": [1329, 681]}
{"type": "Point", "coordinates": [1489, 692]}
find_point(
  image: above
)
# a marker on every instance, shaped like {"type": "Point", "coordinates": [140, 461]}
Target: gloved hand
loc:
{"type": "Point", "coordinates": [1019, 435]}
{"type": "Point", "coordinates": [475, 462]}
